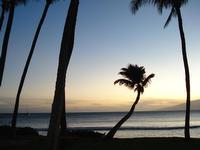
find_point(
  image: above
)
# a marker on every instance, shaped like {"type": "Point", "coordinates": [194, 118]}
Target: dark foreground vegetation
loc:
{"type": "Point", "coordinates": [39, 143]}
{"type": "Point", "coordinates": [27, 138]}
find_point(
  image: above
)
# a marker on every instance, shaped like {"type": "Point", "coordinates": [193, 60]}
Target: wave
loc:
{"type": "Point", "coordinates": [125, 128]}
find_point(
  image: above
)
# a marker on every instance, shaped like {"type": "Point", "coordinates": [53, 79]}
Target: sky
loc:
{"type": "Point", "coordinates": [108, 37]}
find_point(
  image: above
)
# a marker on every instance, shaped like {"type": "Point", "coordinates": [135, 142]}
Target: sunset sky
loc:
{"type": "Point", "coordinates": [108, 37]}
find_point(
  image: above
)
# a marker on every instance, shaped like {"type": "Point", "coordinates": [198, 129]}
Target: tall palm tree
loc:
{"type": "Point", "coordinates": [14, 117]}
{"type": "Point", "coordinates": [4, 8]}
{"type": "Point", "coordinates": [67, 44]}
{"type": "Point", "coordinates": [175, 6]}
{"type": "Point", "coordinates": [135, 79]}
{"type": "Point", "coordinates": [12, 4]}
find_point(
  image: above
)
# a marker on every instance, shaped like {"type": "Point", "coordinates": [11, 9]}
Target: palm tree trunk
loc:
{"type": "Point", "coordinates": [63, 124]}
{"type": "Point", "coordinates": [14, 117]}
{"type": "Point", "coordinates": [187, 75]}
{"type": "Point", "coordinates": [2, 18]}
{"type": "Point", "coordinates": [112, 132]}
{"type": "Point", "coordinates": [6, 39]}
{"type": "Point", "coordinates": [64, 58]}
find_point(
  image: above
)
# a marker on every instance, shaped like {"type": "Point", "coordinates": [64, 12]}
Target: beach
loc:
{"type": "Point", "coordinates": [39, 143]}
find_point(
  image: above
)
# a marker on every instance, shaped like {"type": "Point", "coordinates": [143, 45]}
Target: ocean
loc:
{"type": "Point", "coordinates": [141, 124]}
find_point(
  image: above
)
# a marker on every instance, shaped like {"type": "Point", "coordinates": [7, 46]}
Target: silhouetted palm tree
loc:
{"type": "Point", "coordinates": [64, 58]}
{"type": "Point", "coordinates": [14, 117]}
{"type": "Point", "coordinates": [12, 4]}
{"type": "Point", "coordinates": [135, 79]}
{"type": "Point", "coordinates": [175, 6]}
{"type": "Point", "coordinates": [4, 8]}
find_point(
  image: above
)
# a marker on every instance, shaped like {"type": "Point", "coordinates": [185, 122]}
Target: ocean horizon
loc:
{"type": "Point", "coordinates": [140, 124]}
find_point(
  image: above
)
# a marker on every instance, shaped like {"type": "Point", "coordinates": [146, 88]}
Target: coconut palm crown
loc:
{"type": "Point", "coordinates": [134, 78]}
{"type": "Point", "coordinates": [160, 4]}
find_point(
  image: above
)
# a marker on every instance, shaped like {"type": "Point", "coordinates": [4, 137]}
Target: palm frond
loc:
{"type": "Point", "coordinates": [139, 88]}
{"type": "Point", "coordinates": [124, 74]}
{"type": "Point", "coordinates": [160, 4]}
{"type": "Point", "coordinates": [168, 19]}
{"type": "Point", "coordinates": [179, 3]}
{"type": "Point", "coordinates": [124, 69]}
{"type": "Point", "coordinates": [165, 4]}
{"type": "Point", "coordinates": [148, 80]}
{"type": "Point", "coordinates": [125, 82]}
{"type": "Point", "coordinates": [172, 14]}
{"type": "Point", "coordinates": [21, 2]}
{"type": "Point", "coordinates": [136, 4]}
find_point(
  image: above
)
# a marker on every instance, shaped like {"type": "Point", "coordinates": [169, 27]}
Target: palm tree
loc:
{"type": "Point", "coordinates": [64, 58]}
{"type": "Point", "coordinates": [135, 79]}
{"type": "Point", "coordinates": [4, 8]}
{"type": "Point", "coordinates": [12, 4]}
{"type": "Point", "coordinates": [175, 6]}
{"type": "Point", "coordinates": [14, 117]}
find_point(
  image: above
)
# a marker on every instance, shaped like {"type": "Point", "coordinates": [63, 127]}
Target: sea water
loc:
{"type": "Point", "coordinates": [140, 124]}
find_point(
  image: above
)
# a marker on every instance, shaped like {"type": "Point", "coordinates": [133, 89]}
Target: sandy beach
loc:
{"type": "Point", "coordinates": [39, 143]}
{"type": "Point", "coordinates": [28, 139]}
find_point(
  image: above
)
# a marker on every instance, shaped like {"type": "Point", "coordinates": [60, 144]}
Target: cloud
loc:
{"type": "Point", "coordinates": [44, 105]}
{"type": "Point", "coordinates": [156, 104]}
{"type": "Point", "coordinates": [26, 105]}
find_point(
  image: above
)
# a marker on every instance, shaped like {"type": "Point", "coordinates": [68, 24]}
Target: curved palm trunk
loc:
{"type": "Point", "coordinates": [6, 39]}
{"type": "Point", "coordinates": [112, 132]}
{"type": "Point", "coordinates": [2, 18]}
{"type": "Point", "coordinates": [14, 117]}
{"type": "Point", "coordinates": [64, 58]}
{"type": "Point", "coordinates": [187, 75]}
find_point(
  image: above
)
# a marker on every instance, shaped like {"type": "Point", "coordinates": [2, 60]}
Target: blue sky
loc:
{"type": "Point", "coordinates": [108, 37]}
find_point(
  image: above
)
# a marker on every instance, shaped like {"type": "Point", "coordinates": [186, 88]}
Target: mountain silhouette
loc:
{"type": "Point", "coordinates": [195, 105]}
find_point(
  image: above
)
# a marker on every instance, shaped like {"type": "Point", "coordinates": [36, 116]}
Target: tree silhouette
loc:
{"type": "Point", "coordinates": [135, 79]}
{"type": "Point", "coordinates": [64, 58]}
{"type": "Point", "coordinates": [175, 6]}
{"type": "Point", "coordinates": [11, 4]}
{"type": "Point", "coordinates": [4, 8]}
{"type": "Point", "coordinates": [14, 117]}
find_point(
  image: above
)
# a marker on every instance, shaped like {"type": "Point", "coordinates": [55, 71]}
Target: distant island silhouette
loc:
{"type": "Point", "coordinates": [195, 105]}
